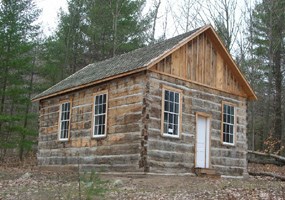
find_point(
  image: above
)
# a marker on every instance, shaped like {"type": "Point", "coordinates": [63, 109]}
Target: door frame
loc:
{"type": "Point", "coordinates": [209, 119]}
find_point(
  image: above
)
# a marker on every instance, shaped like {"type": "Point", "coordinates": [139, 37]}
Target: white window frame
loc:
{"type": "Point", "coordinates": [61, 121]}
{"type": "Point", "coordinates": [231, 124]}
{"type": "Point", "coordinates": [179, 114]}
{"type": "Point", "coordinates": [95, 114]}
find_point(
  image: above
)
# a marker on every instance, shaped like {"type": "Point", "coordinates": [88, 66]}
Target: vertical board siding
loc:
{"type": "Point", "coordinates": [199, 61]}
{"type": "Point", "coordinates": [118, 151]}
{"type": "Point", "coordinates": [171, 155]}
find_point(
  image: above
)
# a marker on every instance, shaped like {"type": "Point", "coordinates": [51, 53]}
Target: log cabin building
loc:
{"type": "Point", "coordinates": [170, 108]}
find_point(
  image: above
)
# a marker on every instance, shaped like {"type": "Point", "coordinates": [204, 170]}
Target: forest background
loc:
{"type": "Point", "coordinates": [93, 30]}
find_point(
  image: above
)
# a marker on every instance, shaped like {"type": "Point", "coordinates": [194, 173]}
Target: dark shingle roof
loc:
{"type": "Point", "coordinates": [127, 62]}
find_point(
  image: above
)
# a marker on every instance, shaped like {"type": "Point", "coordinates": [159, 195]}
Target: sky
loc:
{"type": "Point", "coordinates": [50, 9]}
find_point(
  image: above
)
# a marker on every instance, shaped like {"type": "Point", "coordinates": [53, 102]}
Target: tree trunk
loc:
{"type": "Point", "coordinates": [27, 109]}
{"type": "Point", "coordinates": [277, 30]}
{"type": "Point", "coordinates": [115, 26]}
{"type": "Point", "coordinates": [156, 6]}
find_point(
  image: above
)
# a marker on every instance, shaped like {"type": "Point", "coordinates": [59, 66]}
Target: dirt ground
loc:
{"type": "Point", "coordinates": [32, 183]}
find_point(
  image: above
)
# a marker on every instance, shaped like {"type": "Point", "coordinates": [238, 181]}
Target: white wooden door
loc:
{"type": "Point", "coordinates": [202, 142]}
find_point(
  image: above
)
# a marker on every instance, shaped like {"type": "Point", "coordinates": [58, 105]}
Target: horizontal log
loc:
{"type": "Point", "coordinates": [169, 156]}
{"type": "Point", "coordinates": [110, 160]}
{"type": "Point", "coordinates": [170, 167]}
{"type": "Point", "coordinates": [265, 162]}
{"type": "Point", "coordinates": [158, 144]}
{"type": "Point", "coordinates": [280, 158]}
{"type": "Point", "coordinates": [279, 177]}
{"type": "Point", "coordinates": [228, 161]}
{"type": "Point", "coordinates": [229, 170]}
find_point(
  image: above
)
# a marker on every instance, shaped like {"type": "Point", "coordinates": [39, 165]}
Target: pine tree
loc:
{"type": "Point", "coordinates": [17, 34]}
{"type": "Point", "coordinates": [267, 35]}
{"type": "Point", "coordinates": [96, 30]}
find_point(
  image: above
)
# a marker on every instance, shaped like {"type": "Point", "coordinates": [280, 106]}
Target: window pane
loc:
{"type": "Point", "coordinates": [100, 100]}
{"type": "Point", "coordinates": [229, 119]}
{"type": "Point", "coordinates": [165, 128]}
{"type": "Point", "coordinates": [99, 130]}
{"type": "Point", "coordinates": [100, 109]}
{"type": "Point", "coordinates": [96, 120]}
{"type": "Point", "coordinates": [171, 118]}
{"type": "Point", "coordinates": [171, 105]}
{"type": "Point", "coordinates": [166, 96]}
{"type": "Point", "coordinates": [177, 97]}
{"type": "Point", "coordinates": [104, 98]}
{"type": "Point", "coordinates": [66, 125]}
{"type": "Point", "coordinates": [104, 117]}
{"type": "Point", "coordinates": [175, 131]}
{"type": "Point", "coordinates": [170, 129]}
{"type": "Point", "coordinates": [175, 119]}
{"type": "Point", "coordinates": [166, 106]}
{"type": "Point", "coordinates": [96, 110]}
{"type": "Point", "coordinates": [232, 110]}
{"type": "Point", "coordinates": [232, 119]}
{"type": "Point", "coordinates": [171, 96]}
{"type": "Point", "coordinates": [176, 108]}
{"type": "Point", "coordinates": [231, 140]}
{"type": "Point", "coordinates": [100, 119]}
{"type": "Point", "coordinates": [165, 117]}
{"type": "Point", "coordinates": [104, 108]}
{"type": "Point", "coordinates": [103, 129]}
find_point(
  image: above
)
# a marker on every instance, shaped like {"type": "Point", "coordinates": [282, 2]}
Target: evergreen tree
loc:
{"type": "Point", "coordinates": [267, 50]}
{"type": "Point", "coordinates": [17, 34]}
{"type": "Point", "coordinates": [96, 30]}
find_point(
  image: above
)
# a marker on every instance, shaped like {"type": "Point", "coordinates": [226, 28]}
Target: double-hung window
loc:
{"type": "Point", "coordinates": [64, 121]}
{"type": "Point", "coordinates": [100, 115]}
{"type": "Point", "coordinates": [171, 112]}
{"type": "Point", "coordinates": [228, 124]}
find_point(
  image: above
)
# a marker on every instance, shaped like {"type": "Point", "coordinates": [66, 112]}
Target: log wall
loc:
{"type": "Point", "coordinates": [121, 149]}
{"type": "Point", "coordinates": [178, 155]}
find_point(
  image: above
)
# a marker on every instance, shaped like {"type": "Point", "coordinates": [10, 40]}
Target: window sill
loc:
{"type": "Point", "coordinates": [170, 136]}
{"type": "Point", "coordinates": [99, 136]}
{"type": "Point", "coordinates": [228, 144]}
{"type": "Point", "coordinates": [63, 140]}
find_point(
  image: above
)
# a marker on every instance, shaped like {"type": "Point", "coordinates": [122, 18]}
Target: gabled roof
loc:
{"type": "Point", "coordinates": [132, 62]}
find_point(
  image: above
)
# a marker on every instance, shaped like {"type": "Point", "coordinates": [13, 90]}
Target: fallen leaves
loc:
{"type": "Point", "coordinates": [18, 183]}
